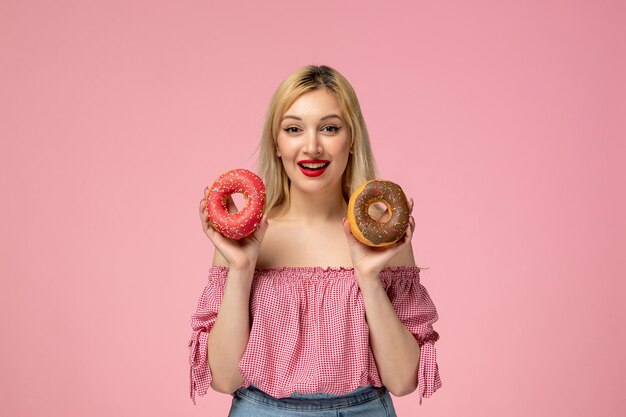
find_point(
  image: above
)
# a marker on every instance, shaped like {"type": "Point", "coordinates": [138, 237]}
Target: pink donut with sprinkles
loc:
{"type": "Point", "coordinates": [245, 221]}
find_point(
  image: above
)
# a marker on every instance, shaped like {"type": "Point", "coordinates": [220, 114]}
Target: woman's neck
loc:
{"type": "Point", "coordinates": [314, 207]}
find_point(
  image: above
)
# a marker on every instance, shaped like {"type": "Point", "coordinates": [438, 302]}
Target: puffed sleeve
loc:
{"type": "Point", "coordinates": [417, 312]}
{"type": "Point", "coordinates": [202, 322]}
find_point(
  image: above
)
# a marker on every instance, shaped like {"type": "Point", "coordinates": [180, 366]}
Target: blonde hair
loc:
{"type": "Point", "coordinates": [361, 165]}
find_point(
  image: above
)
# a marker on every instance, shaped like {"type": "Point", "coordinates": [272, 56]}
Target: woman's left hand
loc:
{"type": "Point", "coordinates": [368, 261]}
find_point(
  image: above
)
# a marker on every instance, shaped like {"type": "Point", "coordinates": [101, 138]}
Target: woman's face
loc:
{"type": "Point", "coordinates": [314, 142]}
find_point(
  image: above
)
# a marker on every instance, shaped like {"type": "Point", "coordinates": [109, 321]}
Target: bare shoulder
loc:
{"type": "Point", "coordinates": [274, 242]}
{"type": "Point", "coordinates": [273, 246]}
{"type": "Point", "coordinates": [403, 258]}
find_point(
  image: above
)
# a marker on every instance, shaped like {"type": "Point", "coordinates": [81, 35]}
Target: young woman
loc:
{"type": "Point", "coordinates": [300, 316]}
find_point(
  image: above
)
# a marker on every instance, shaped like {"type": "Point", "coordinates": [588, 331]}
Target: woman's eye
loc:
{"type": "Point", "coordinates": [292, 129]}
{"type": "Point", "coordinates": [331, 128]}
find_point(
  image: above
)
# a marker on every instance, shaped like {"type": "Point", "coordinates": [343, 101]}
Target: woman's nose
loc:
{"type": "Point", "coordinates": [313, 144]}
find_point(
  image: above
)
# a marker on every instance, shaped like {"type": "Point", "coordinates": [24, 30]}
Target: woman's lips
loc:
{"type": "Point", "coordinates": [313, 172]}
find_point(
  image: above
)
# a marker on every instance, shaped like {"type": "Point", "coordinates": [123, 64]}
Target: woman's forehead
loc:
{"type": "Point", "coordinates": [320, 102]}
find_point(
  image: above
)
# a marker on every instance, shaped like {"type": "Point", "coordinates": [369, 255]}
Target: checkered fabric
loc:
{"type": "Point", "coordinates": [309, 332]}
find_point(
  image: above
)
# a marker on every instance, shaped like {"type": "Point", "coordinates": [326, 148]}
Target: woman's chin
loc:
{"type": "Point", "coordinates": [316, 186]}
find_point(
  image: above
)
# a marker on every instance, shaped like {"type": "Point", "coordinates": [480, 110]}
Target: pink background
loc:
{"type": "Point", "coordinates": [503, 120]}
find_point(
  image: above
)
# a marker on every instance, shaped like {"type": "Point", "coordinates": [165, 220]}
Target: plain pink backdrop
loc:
{"type": "Point", "coordinates": [503, 120]}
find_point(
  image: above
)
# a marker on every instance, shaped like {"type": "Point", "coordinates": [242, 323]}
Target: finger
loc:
{"type": "Point", "coordinates": [204, 219]}
{"type": "Point", "coordinates": [203, 201]}
{"type": "Point", "coordinates": [232, 208]}
{"type": "Point", "coordinates": [406, 238]}
{"type": "Point", "coordinates": [408, 235]}
{"type": "Point", "coordinates": [412, 224]}
{"type": "Point", "coordinates": [211, 232]}
{"type": "Point", "coordinates": [386, 215]}
{"type": "Point", "coordinates": [346, 226]}
{"type": "Point", "coordinates": [202, 205]}
{"type": "Point", "coordinates": [259, 233]}
{"type": "Point", "coordinates": [347, 230]}
{"type": "Point", "coordinates": [206, 224]}
{"type": "Point", "coordinates": [411, 204]}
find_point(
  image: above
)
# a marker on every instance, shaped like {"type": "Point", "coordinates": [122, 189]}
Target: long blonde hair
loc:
{"type": "Point", "coordinates": [361, 165]}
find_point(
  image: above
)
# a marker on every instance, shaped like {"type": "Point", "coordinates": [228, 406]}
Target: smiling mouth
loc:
{"type": "Point", "coordinates": [313, 167]}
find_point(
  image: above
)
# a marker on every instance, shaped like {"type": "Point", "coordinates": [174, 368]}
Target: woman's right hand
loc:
{"type": "Point", "coordinates": [240, 254]}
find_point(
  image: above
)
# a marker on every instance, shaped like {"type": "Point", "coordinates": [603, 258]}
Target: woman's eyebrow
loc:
{"type": "Point", "coordinates": [330, 116]}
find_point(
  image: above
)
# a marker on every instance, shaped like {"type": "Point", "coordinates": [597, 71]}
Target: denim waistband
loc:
{"type": "Point", "coordinates": [313, 402]}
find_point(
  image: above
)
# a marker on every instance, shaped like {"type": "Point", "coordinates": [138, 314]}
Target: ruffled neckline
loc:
{"type": "Point", "coordinates": [321, 273]}
{"type": "Point", "coordinates": [323, 268]}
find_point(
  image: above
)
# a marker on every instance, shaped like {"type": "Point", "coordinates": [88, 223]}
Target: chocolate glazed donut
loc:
{"type": "Point", "coordinates": [364, 227]}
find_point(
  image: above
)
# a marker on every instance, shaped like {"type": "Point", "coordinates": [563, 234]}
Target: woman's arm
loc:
{"type": "Point", "coordinates": [228, 339]}
{"type": "Point", "coordinates": [395, 349]}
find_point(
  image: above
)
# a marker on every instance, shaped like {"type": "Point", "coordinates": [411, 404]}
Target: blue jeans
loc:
{"type": "Point", "coordinates": [362, 402]}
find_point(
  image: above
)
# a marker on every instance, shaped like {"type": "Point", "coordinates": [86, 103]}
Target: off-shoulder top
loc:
{"type": "Point", "coordinates": [309, 333]}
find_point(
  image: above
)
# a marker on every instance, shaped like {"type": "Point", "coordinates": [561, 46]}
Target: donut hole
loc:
{"type": "Point", "coordinates": [379, 211]}
{"type": "Point", "coordinates": [235, 202]}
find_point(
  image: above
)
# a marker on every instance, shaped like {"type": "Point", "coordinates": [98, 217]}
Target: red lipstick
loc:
{"type": "Point", "coordinates": [313, 167]}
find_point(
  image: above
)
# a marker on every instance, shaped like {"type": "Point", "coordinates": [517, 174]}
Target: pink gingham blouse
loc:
{"type": "Point", "coordinates": [309, 333]}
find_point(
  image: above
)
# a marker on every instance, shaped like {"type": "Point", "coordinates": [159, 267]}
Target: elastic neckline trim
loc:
{"type": "Point", "coordinates": [323, 268]}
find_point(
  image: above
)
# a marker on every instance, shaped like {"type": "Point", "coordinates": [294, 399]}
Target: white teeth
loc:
{"type": "Point", "coordinates": [314, 166]}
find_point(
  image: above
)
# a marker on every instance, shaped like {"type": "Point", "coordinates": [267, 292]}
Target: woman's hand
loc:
{"type": "Point", "coordinates": [240, 254]}
{"type": "Point", "coordinates": [368, 261]}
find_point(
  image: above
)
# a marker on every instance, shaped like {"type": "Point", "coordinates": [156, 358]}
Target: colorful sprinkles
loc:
{"type": "Point", "coordinates": [380, 233]}
{"type": "Point", "coordinates": [245, 221]}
